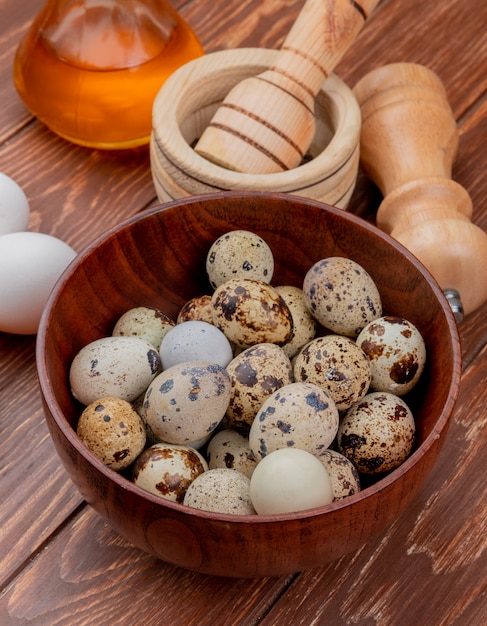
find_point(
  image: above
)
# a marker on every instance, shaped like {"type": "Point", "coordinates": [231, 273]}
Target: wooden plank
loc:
{"type": "Point", "coordinates": [441, 538]}
{"type": "Point", "coordinates": [89, 570]}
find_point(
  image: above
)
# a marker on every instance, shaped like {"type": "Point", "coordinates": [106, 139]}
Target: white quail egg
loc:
{"type": "Point", "coordinates": [289, 480]}
{"type": "Point", "coordinates": [195, 341]}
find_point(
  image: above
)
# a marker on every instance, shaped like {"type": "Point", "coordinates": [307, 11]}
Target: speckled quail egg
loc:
{"type": "Point", "coordinates": [221, 490]}
{"type": "Point", "coordinates": [229, 449]}
{"type": "Point", "coordinates": [345, 479]}
{"type": "Point", "coordinates": [304, 324]}
{"type": "Point", "coordinates": [250, 312]}
{"type": "Point", "coordinates": [341, 295]}
{"type": "Point", "coordinates": [289, 480]}
{"type": "Point", "coordinates": [337, 365]}
{"type": "Point", "coordinates": [144, 322]}
{"type": "Point", "coordinates": [255, 373]}
{"type": "Point", "coordinates": [187, 401]}
{"type": "Point", "coordinates": [195, 341]}
{"type": "Point", "coordinates": [298, 415]}
{"type": "Point", "coordinates": [396, 352]}
{"type": "Point", "coordinates": [377, 433]}
{"type": "Point", "coordinates": [113, 366]}
{"type": "Point", "coordinates": [239, 254]}
{"type": "Point", "coordinates": [113, 430]}
{"type": "Point", "coordinates": [198, 308]}
{"type": "Point", "coordinates": [167, 470]}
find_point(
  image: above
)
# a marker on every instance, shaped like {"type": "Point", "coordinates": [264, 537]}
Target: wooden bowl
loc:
{"type": "Point", "coordinates": [186, 103]}
{"type": "Point", "coordinates": [158, 258]}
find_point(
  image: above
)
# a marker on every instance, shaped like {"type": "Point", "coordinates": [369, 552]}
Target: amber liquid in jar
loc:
{"type": "Point", "coordinates": [91, 75]}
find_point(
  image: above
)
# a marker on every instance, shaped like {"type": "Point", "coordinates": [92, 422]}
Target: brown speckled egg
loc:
{"type": "Point", "coordinates": [113, 430]}
{"type": "Point", "coordinates": [167, 470]}
{"type": "Point", "coordinates": [229, 449]}
{"type": "Point", "coordinates": [304, 323]}
{"type": "Point", "coordinates": [144, 322]}
{"type": "Point", "coordinates": [121, 367]}
{"type": "Point", "coordinates": [239, 254]}
{"type": "Point", "coordinates": [377, 433]}
{"type": "Point", "coordinates": [255, 373]}
{"type": "Point", "coordinates": [299, 415]}
{"type": "Point", "coordinates": [396, 353]}
{"type": "Point", "coordinates": [345, 479]}
{"type": "Point", "coordinates": [198, 308]}
{"type": "Point", "coordinates": [187, 401]}
{"type": "Point", "coordinates": [250, 312]}
{"type": "Point", "coordinates": [221, 490]}
{"type": "Point", "coordinates": [341, 295]}
{"type": "Point", "coordinates": [337, 365]}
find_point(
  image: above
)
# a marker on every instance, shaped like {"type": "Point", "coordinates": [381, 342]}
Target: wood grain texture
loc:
{"type": "Point", "coordinates": [429, 567]}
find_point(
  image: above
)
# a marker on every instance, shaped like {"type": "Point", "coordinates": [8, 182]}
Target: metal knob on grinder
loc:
{"type": "Point", "coordinates": [408, 141]}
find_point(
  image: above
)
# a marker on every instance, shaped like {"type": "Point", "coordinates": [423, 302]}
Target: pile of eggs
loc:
{"type": "Point", "coordinates": [256, 399]}
{"type": "Point", "coordinates": [30, 262]}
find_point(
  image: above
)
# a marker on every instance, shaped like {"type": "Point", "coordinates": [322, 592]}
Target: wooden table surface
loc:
{"type": "Point", "coordinates": [59, 563]}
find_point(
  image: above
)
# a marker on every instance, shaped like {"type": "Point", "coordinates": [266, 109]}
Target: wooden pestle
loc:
{"type": "Point", "coordinates": [266, 123]}
{"type": "Point", "coordinates": [408, 143]}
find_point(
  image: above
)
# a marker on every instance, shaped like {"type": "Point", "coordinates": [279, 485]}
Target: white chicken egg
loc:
{"type": "Point", "coordinates": [289, 480]}
{"type": "Point", "coordinates": [14, 206]}
{"type": "Point", "coordinates": [30, 264]}
{"type": "Point", "coordinates": [195, 341]}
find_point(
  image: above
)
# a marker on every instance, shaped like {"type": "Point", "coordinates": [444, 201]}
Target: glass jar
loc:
{"type": "Point", "coordinates": [90, 69]}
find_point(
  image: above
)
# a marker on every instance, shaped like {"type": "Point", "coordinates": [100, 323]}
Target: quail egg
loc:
{"type": "Point", "coordinates": [187, 401]}
{"type": "Point", "coordinates": [377, 433]}
{"type": "Point", "coordinates": [198, 308]}
{"type": "Point", "coordinates": [341, 295]}
{"type": "Point", "coordinates": [113, 366]}
{"type": "Point", "coordinates": [337, 365]}
{"type": "Point", "coordinates": [300, 415]}
{"type": "Point", "coordinates": [396, 352]}
{"type": "Point", "coordinates": [167, 470]}
{"type": "Point", "coordinates": [255, 373]}
{"type": "Point", "coordinates": [144, 322]}
{"type": "Point", "coordinates": [113, 430]}
{"type": "Point", "coordinates": [344, 477]}
{"type": "Point", "coordinates": [229, 449]}
{"type": "Point", "coordinates": [221, 490]}
{"type": "Point", "coordinates": [239, 254]}
{"type": "Point", "coordinates": [304, 324]}
{"type": "Point", "coordinates": [250, 312]}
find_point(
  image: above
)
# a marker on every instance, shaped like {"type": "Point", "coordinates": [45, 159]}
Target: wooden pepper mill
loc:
{"type": "Point", "coordinates": [408, 142]}
{"type": "Point", "coordinates": [267, 122]}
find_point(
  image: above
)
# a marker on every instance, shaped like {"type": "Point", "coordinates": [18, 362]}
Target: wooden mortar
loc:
{"type": "Point", "coordinates": [189, 98]}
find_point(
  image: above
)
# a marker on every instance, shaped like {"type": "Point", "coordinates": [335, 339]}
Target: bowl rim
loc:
{"type": "Point", "coordinates": [69, 433]}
